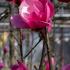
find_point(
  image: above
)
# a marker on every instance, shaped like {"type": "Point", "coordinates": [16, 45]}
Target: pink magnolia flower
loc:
{"type": "Point", "coordinates": [51, 9]}
{"type": "Point", "coordinates": [18, 22]}
{"type": "Point", "coordinates": [43, 1]}
{"type": "Point", "coordinates": [19, 66]}
{"type": "Point", "coordinates": [1, 65]}
{"type": "Point", "coordinates": [47, 66]}
{"type": "Point", "coordinates": [47, 63]}
{"type": "Point", "coordinates": [35, 14]}
{"type": "Point", "coordinates": [22, 66]}
{"type": "Point", "coordinates": [14, 67]}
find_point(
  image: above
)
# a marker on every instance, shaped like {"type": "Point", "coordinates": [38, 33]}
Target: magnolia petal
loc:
{"type": "Point", "coordinates": [36, 25]}
{"type": "Point", "coordinates": [48, 11]}
{"type": "Point", "coordinates": [21, 66]}
{"type": "Point", "coordinates": [18, 22]}
{"type": "Point", "coordinates": [14, 67]}
{"type": "Point", "coordinates": [31, 12]}
{"type": "Point", "coordinates": [43, 1]}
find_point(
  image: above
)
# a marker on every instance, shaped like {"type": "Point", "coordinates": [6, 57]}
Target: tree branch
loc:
{"type": "Point", "coordinates": [32, 49]}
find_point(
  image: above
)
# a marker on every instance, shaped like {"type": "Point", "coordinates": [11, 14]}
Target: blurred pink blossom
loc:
{"type": "Point", "coordinates": [1, 64]}
{"type": "Point", "coordinates": [5, 50]}
{"type": "Point", "coordinates": [19, 66]}
{"type": "Point", "coordinates": [47, 63]}
{"type": "Point", "coordinates": [66, 67]}
{"type": "Point", "coordinates": [22, 66]}
{"type": "Point", "coordinates": [14, 67]}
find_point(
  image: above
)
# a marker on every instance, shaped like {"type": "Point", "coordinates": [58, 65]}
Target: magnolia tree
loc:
{"type": "Point", "coordinates": [36, 16]}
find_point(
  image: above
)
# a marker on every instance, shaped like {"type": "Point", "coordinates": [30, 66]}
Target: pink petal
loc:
{"type": "Point", "coordinates": [37, 25]}
{"type": "Point", "coordinates": [22, 66]}
{"type": "Point", "coordinates": [43, 1]}
{"type": "Point", "coordinates": [47, 66]}
{"type": "Point", "coordinates": [14, 67]}
{"type": "Point", "coordinates": [31, 12]}
{"type": "Point", "coordinates": [48, 11]}
{"type": "Point", "coordinates": [1, 64]}
{"type": "Point", "coordinates": [18, 22]}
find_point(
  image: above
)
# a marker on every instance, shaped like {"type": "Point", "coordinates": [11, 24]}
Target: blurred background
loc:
{"type": "Point", "coordinates": [59, 37]}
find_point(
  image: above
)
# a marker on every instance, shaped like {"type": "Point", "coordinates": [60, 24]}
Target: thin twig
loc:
{"type": "Point", "coordinates": [4, 14]}
{"type": "Point", "coordinates": [43, 50]}
{"type": "Point", "coordinates": [35, 67]}
{"type": "Point", "coordinates": [48, 53]}
{"type": "Point", "coordinates": [44, 37]}
{"type": "Point", "coordinates": [21, 48]}
{"type": "Point", "coordinates": [32, 49]}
